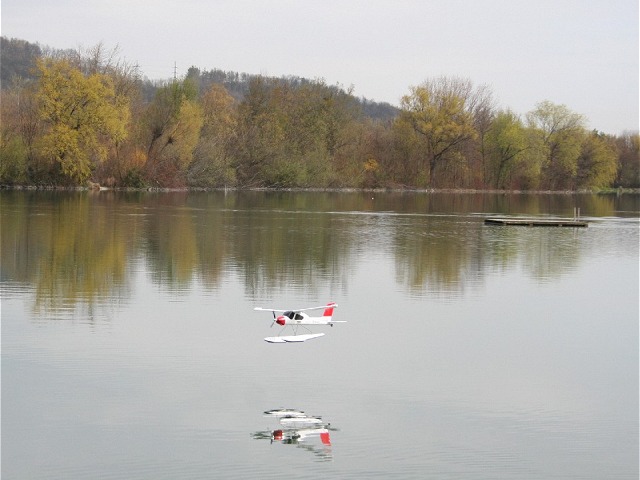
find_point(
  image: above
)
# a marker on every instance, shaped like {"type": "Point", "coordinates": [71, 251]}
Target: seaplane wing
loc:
{"type": "Point", "coordinates": [295, 310]}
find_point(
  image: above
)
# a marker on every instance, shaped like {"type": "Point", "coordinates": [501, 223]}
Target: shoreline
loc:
{"type": "Point", "coordinates": [467, 191]}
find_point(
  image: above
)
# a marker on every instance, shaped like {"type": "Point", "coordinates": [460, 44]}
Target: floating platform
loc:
{"type": "Point", "coordinates": [537, 222]}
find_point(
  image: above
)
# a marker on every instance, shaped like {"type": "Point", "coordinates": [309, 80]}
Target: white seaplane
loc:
{"type": "Point", "coordinates": [299, 318]}
{"type": "Point", "coordinates": [297, 427]}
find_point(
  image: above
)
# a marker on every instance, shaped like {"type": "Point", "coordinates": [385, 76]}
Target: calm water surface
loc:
{"type": "Point", "coordinates": [130, 348]}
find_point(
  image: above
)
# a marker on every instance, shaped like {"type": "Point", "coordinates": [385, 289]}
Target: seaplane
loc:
{"type": "Point", "coordinates": [296, 428]}
{"type": "Point", "coordinates": [297, 319]}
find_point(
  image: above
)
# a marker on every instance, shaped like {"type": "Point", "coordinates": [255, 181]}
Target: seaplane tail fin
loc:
{"type": "Point", "coordinates": [324, 438]}
{"type": "Point", "coordinates": [328, 312]}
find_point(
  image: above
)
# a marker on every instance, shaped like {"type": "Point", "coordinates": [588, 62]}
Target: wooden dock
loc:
{"type": "Point", "coordinates": [537, 222]}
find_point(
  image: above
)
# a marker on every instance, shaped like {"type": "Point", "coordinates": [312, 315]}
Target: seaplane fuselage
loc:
{"type": "Point", "coordinates": [301, 318]}
{"type": "Point", "coordinates": [293, 317]}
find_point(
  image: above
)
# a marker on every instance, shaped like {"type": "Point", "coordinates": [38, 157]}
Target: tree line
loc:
{"type": "Point", "coordinates": [75, 117]}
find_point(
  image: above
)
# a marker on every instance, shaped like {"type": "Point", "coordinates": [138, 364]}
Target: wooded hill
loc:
{"type": "Point", "coordinates": [19, 62]}
{"type": "Point", "coordinates": [70, 117]}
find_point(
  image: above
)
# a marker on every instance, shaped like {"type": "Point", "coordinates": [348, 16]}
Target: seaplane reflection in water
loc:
{"type": "Point", "coordinates": [298, 428]}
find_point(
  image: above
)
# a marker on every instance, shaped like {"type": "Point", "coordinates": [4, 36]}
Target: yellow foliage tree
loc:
{"type": "Point", "coordinates": [560, 135]}
{"type": "Point", "coordinates": [597, 163]}
{"type": "Point", "coordinates": [438, 111]}
{"type": "Point", "coordinates": [82, 113]}
{"type": "Point", "coordinates": [505, 144]}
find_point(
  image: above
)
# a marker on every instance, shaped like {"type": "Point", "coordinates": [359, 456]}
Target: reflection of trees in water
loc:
{"type": "Point", "coordinates": [289, 250]}
{"type": "Point", "coordinates": [71, 252]}
{"type": "Point", "coordinates": [542, 252]}
{"type": "Point", "coordinates": [454, 255]}
{"type": "Point", "coordinates": [432, 255]}
{"type": "Point", "coordinates": [291, 241]}
{"type": "Point", "coordinates": [78, 249]}
{"type": "Point", "coordinates": [442, 253]}
{"type": "Point", "coordinates": [170, 242]}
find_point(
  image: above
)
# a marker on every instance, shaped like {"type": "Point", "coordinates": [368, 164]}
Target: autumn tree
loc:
{"type": "Point", "coordinates": [505, 143]}
{"type": "Point", "coordinates": [483, 108]}
{"type": "Point", "coordinates": [290, 132]}
{"type": "Point", "coordinates": [260, 137]}
{"type": "Point", "coordinates": [173, 122]}
{"type": "Point", "coordinates": [405, 164]}
{"type": "Point", "coordinates": [321, 130]}
{"type": "Point", "coordinates": [597, 162]}
{"type": "Point", "coordinates": [19, 130]}
{"type": "Point", "coordinates": [20, 122]}
{"type": "Point", "coordinates": [81, 115]}
{"type": "Point", "coordinates": [439, 112]}
{"type": "Point", "coordinates": [560, 132]}
{"type": "Point", "coordinates": [628, 175]}
{"type": "Point", "coordinates": [125, 158]}
{"type": "Point", "coordinates": [212, 163]}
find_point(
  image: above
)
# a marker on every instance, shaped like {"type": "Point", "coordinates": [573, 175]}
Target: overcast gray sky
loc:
{"type": "Point", "coordinates": [580, 53]}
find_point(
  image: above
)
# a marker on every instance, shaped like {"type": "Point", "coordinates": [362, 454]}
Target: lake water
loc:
{"type": "Point", "coordinates": [131, 350]}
